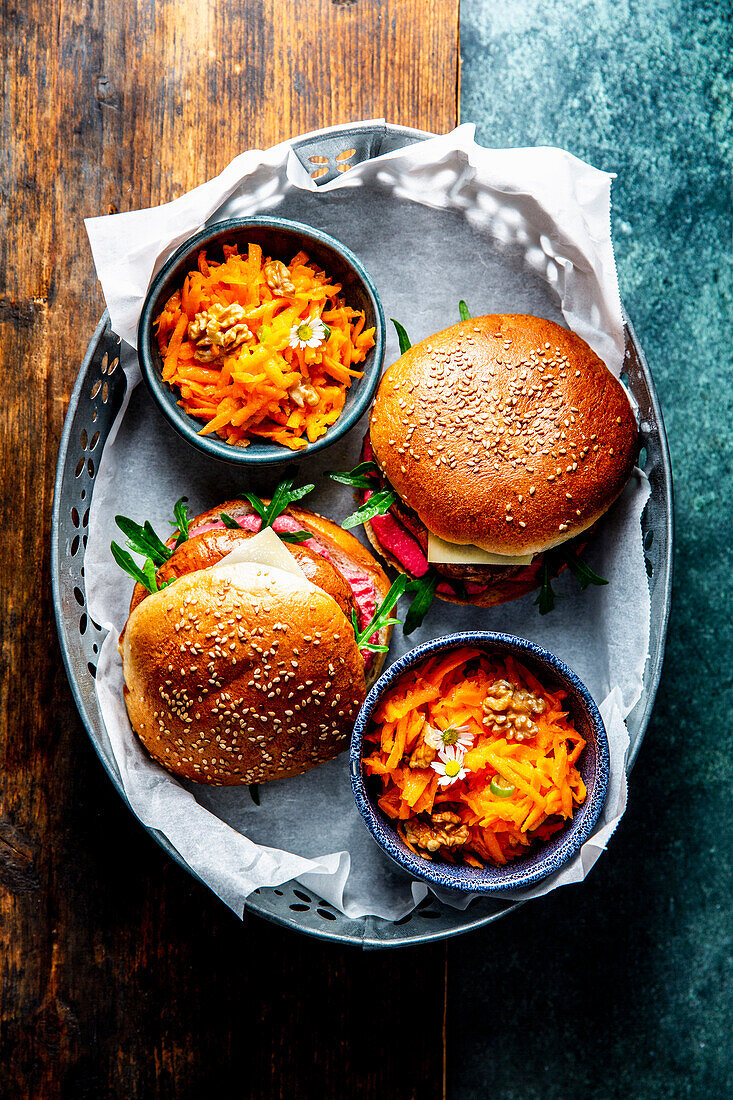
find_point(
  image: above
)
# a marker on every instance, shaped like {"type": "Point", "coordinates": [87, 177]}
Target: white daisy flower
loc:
{"type": "Point", "coordinates": [451, 735]}
{"type": "Point", "coordinates": [449, 766]}
{"type": "Point", "coordinates": [310, 333]}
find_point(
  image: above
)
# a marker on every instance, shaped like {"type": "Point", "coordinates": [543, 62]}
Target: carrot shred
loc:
{"type": "Point", "coordinates": [272, 390]}
{"type": "Point", "coordinates": [448, 692]}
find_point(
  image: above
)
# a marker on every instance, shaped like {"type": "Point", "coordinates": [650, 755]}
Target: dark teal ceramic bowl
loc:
{"type": "Point", "coordinates": [593, 766]}
{"type": "Point", "coordinates": [281, 240]}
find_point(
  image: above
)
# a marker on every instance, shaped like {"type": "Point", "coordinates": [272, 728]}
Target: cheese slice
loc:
{"type": "Point", "coordinates": [264, 548]}
{"type": "Point", "coordinates": [450, 553]}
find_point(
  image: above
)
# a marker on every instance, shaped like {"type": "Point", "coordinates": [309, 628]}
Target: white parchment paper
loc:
{"type": "Point", "coordinates": [512, 231]}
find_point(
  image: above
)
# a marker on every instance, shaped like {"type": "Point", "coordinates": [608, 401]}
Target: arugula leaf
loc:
{"type": "Point", "coordinates": [182, 521]}
{"type": "Point", "coordinates": [378, 503]}
{"type": "Point", "coordinates": [463, 311]}
{"type": "Point", "coordinates": [284, 495]}
{"type": "Point", "coordinates": [402, 336]}
{"type": "Point", "coordinates": [358, 477]}
{"type": "Point", "coordinates": [553, 562]}
{"type": "Point", "coordinates": [546, 596]}
{"type": "Point", "coordinates": [144, 539]}
{"type": "Point", "coordinates": [257, 504]}
{"type": "Point", "coordinates": [149, 574]}
{"type": "Point", "coordinates": [145, 576]}
{"type": "Point", "coordinates": [254, 791]}
{"type": "Point", "coordinates": [228, 522]}
{"type": "Point", "coordinates": [294, 536]}
{"type": "Point", "coordinates": [284, 536]}
{"type": "Point", "coordinates": [583, 572]}
{"type": "Point", "coordinates": [424, 589]}
{"type": "Point", "coordinates": [459, 588]}
{"type": "Point", "coordinates": [381, 617]}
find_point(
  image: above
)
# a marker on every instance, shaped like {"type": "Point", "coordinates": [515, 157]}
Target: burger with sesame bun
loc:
{"type": "Point", "coordinates": [493, 449]}
{"type": "Point", "coordinates": [250, 644]}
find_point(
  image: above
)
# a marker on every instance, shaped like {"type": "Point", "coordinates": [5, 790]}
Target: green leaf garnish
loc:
{"type": "Point", "coordinates": [149, 574]}
{"type": "Point", "coordinates": [546, 596]}
{"type": "Point", "coordinates": [378, 504]}
{"type": "Point", "coordinates": [583, 572]}
{"type": "Point", "coordinates": [424, 589]}
{"type": "Point", "coordinates": [257, 504]}
{"type": "Point", "coordinates": [283, 496]}
{"type": "Point", "coordinates": [459, 588]}
{"type": "Point", "coordinates": [402, 336]}
{"type": "Point", "coordinates": [182, 521]}
{"type": "Point", "coordinates": [463, 311]}
{"type": "Point", "coordinates": [143, 540]}
{"type": "Point", "coordinates": [228, 522]}
{"type": "Point", "coordinates": [381, 617]}
{"type": "Point", "coordinates": [254, 791]}
{"type": "Point", "coordinates": [553, 562]}
{"type": "Point", "coordinates": [358, 477]}
{"type": "Point", "coordinates": [145, 576]}
{"type": "Point", "coordinates": [284, 536]}
{"type": "Point", "coordinates": [294, 536]}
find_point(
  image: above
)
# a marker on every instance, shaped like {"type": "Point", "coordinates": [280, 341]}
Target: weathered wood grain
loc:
{"type": "Point", "coordinates": [121, 976]}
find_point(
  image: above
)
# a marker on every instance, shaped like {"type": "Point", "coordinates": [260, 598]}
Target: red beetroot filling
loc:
{"type": "Point", "coordinates": [402, 545]}
{"type": "Point", "coordinates": [360, 584]}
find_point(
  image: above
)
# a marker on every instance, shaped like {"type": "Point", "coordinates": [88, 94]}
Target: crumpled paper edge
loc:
{"type": "Point", "coordinates": [166, 227]}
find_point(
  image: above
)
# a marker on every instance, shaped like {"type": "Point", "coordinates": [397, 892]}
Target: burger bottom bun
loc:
{"type": "Point", "coordinates": [241, 675]}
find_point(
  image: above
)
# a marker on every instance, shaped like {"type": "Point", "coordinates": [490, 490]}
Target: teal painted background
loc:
{"type": "Point", "coordinates": [616, 988]}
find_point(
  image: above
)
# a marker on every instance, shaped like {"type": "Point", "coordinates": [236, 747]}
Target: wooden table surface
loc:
{"type": "Point", "coordinates": [122, 977]}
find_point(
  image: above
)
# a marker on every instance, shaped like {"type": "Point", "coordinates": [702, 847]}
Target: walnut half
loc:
{"type": "Point", "coordinates": [509, 710]}
{"type": "Point", "coordinates": [218, 330]}
{"type": "Point", "coordinates": [423, 753]}
{"type": "Point", "coordinates": [277, 277]}
{"type": "Point", "coordinates": [445, 831]}
{"type": "Point", "coordinates": [302, 393]}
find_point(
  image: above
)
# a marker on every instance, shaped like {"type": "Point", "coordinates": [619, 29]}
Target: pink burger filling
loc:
{"type": "Point", "coordinates": [361, 585]}
{"type": "Point", "coordinates": [403, 546]}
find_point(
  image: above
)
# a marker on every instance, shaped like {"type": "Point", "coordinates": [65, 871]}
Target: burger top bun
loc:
{"type": "Point", "coordinates": [506, 431]}
{"type": "Point", "coordinates": [241, 674]}
{"type": "Point", "coordinates": [207, 549]}
{"type": "Point", "coordinates": [333, 559]}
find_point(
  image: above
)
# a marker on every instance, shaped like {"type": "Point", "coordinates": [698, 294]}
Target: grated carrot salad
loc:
{"type": "Point", "coordinates": [264, 387]}
{"type": "Point", "coordinates": [448, 692]}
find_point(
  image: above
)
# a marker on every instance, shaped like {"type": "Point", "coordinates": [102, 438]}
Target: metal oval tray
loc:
{"type": "Point", "coordinates": [95, 402]}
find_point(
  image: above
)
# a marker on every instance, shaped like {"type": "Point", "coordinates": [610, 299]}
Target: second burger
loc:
{"type": "Point", "coordinates": [252, 637]}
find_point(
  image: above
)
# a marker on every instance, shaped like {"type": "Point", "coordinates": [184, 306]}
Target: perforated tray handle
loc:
{"type": "Point", "coordinates": [326, 154]}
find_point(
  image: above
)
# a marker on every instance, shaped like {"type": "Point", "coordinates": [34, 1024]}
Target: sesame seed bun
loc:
{"type": "Point", "coordinates": [506, 431]}
{"type": "Point", "coordinates": [241, 674]}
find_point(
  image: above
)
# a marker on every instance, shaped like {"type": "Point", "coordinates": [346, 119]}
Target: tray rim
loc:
{"type": "Point", "coordinates": [655, 658]}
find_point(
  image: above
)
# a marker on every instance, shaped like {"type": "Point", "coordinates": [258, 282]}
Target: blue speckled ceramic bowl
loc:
{"type": "Point", "coordinates": [281, 240]}
{"type": "Point", "coordinates": [593, 766]}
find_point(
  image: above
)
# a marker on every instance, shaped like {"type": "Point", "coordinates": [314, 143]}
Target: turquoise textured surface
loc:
{"type": "Point", "coordinates": [616, 988]}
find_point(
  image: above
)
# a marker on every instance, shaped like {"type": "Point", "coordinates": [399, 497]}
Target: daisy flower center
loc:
{"type": "Point", "coordinates": [452, 767]}
{"type": "Point", "coordinates": [305, 331]}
